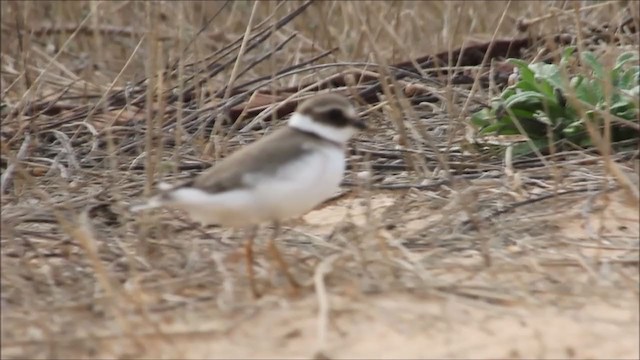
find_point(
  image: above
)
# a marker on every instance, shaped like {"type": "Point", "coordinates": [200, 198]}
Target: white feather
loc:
{"type": "Point", "coordinates": [332, 133]}
{"type": "Point", "coordinates": [293, 190]}
{"type": "Point", "coordinates": [163, 186]}
{"type": "Point", "coordinates": [155, 201]}
{"type": "Point", "coordinates": [152, 203]}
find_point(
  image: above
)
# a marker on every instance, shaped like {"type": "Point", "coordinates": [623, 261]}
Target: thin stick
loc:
{"type": "Point", "coordinates": [26, 97]}
{"type": "Point", "coordinates": [323, 300]}
{"type": "Point", "coordinates": [249, 261]}
{"type": "Point", "coordinates": [232, 79]}
{"type": "Point", "coordinates": [5, 179]}
{"type": "Point", "coordinates": [243, 47]}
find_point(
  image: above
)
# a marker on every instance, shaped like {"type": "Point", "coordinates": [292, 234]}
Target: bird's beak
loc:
{"type": "Point", "coordinates": [355, 120]}
{"type": "Point", "coordinates": [358, 124]}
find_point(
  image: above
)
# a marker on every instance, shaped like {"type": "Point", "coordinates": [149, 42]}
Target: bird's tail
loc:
{"type": "Point", "coordinates": [155, 201]}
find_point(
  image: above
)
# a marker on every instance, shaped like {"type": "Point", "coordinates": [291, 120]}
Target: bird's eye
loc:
{"type": "Point", "coordinates": [337, 115]}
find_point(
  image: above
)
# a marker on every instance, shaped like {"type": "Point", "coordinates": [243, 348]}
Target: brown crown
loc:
{"type": "Point", "coordinates": [331, 109]}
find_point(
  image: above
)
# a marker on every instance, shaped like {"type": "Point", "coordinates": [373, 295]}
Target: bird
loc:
{"type": "Point", "coordinates": [282, 175]}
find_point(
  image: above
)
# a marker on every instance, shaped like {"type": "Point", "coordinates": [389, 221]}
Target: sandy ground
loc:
{"type": "Point", "coordinates": [385, 324]}
{"type": "Point", "coordinates": [373, 328]}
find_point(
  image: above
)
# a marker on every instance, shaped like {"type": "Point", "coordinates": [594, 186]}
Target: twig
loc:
{"type": "Point", "coordinates": [202, 28]}
{"type": "Point", "coordinates": [243, 47]}
{"type": "Point", "coordinates": [229, 89]}
{"type": "Point", "coordinates": [5, 179]}
{"type": "Point", "coordinates": [513, 206]}
{"type": "Point", "coordinates": [323, 301]}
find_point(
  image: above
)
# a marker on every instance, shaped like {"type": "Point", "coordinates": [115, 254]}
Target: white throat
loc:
{"type": "Point", "coordinates": [328, 132]}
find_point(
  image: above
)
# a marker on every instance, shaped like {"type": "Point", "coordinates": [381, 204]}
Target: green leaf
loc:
{"type": "Point", "coordinates": [508, 130]}
{"type": "Point", "coordinates": [625, 58]}
{"type": "Point", "coordinates": [590, 92]}
{"type": "Point", "coordinates": [548, 72]}
{"type": "Point", "coordinates": [576, 81]}
{"type": "Point", "coordinates": [526, 98]}
{"type": "Point", "coordinates": [573, 128]}
{"type": "Point", "coordinates": [522, 113]}
{"type": "Point", "coordinates": [482, 118]}
{"type": "Point", "coordinates": [527, 86]}
{"type": "Point", "coordinates": [507, 93]}
{"type": "Point", "coordinates": [566, 55]}
{"type": "Point", "coordinates": [542, 117]}
{"type": "Point", "coordinates": [585, 142]}
{"type": "Point", "coordinates": [523, 149]}
{"type": "Point", "coordinates": [537, 101]}
{"type": "Point", "coordinates": [629, 78]}
{"type": "Point", "coordinates": [633, 92]}
{"type": "Point", "coordinates": [629, 114]}
{"type": "Point", "coordinates": [592, 115]}
{"type": "Point", "coordinates": [621, 105]}
{"type": "Point", "coordinates": [548, 90]}
{"type": "Point", "coordinates": [493, 128]}
{"type": "Point", "coordinates": [590, 59]}
{"type": "Point", "coordinates": [521, 64]}
{"type": "Point", "coordinates": [526, 75]}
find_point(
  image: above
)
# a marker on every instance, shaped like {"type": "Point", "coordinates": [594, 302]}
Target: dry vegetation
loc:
{"type": "Point", "coordinates": [436, 248]}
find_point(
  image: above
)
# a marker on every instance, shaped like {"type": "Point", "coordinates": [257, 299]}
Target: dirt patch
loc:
{"type": "Point", "coordinates": [500, 312]}
{"type": "Point", "coordinates": [385, 327]}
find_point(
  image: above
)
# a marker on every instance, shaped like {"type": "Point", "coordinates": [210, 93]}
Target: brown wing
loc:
{"type": "Point", "coordinates": [262, 156]}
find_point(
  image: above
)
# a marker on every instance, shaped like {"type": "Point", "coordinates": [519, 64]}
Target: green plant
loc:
{"type": "Point", "coordinates": [537, 101]}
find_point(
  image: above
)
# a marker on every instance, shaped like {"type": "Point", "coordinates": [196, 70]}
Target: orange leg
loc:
{"type": "Point", "coordinates": [248, 248]}
{"type": "Point", "coordinates": [273, 249]}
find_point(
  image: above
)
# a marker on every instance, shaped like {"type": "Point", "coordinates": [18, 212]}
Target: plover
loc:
{"type": "Point", "coordinates": [282, 175]}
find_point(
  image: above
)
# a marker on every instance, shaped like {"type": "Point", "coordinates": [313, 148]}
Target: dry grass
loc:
{"type": "Point", "coordinates": [433, 244]}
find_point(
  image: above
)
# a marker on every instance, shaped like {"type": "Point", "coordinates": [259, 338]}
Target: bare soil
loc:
{"type": "Point", "coordinates": [525, 305]}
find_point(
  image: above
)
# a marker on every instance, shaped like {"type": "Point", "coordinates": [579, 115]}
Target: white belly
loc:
{"type": "Point", "coordinates": [302, 185]}
{"type": "Point", "coordinates": [292, 191]}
